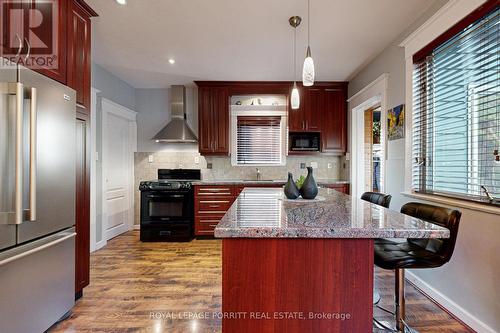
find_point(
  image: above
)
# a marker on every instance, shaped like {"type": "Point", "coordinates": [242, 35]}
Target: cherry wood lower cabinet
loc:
{"type": "Point", "coordinates": [211, 202]}
{"type": "Point", "coordinates": [297, 285]}
{"type": "Point", "coordinates": [344, 188]}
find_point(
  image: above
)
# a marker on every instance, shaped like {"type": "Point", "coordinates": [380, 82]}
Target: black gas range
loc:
{"type": "Point", "coordinates": [167, 206]}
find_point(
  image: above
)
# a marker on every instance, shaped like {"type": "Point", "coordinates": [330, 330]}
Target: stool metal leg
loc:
{"type": "Point", "coordinates": [399, 300]}
{"type": "Point", "coordinates": [399, 303]}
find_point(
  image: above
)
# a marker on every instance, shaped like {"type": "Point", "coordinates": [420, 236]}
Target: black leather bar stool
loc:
{"type": "Point", "coordinates": [417, 253]}
{"type": "Point", "coordinates": [380, 199]}
{"type": "Point", "coordinates": [383, 200]}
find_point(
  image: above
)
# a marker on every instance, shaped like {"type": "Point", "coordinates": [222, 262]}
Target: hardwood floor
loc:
{"type": "Point", "coordinates": [155, 287]}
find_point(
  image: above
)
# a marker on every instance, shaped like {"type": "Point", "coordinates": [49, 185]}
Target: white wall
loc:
{"type": "Point", "coordinates": [153, 107]}
{"type": "Point", "coordinates": [470, 284]}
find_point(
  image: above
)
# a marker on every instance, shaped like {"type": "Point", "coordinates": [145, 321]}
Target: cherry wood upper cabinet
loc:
{"type": "Point", "coordinates": [334, 118]}
{"type": "Point", "coordinates": [296, 116]}
{"type": "Point", "coordinates": [213, 120]}
{"type": "Point", "coordinates": [313, 100]}
{"type": "Point", "coordinates": [55, 67]}
{"type": "Point", "coordinates": [35, 44]}
{"type": "Point", "coordinates": [78, 58]}
{"type": "Point", "coordinates": [307, 118]}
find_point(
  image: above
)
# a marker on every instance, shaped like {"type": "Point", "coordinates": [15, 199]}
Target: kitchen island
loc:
{"type": "Point", "coordinates": [304, 266]}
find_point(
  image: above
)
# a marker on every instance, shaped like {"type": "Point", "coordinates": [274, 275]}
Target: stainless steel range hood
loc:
{"type": "Point", "coordinates": [177, 130]}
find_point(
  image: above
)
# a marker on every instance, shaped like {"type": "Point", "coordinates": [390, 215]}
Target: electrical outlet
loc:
{"type": "Point", "coordinates": [330, 165]}
{"type": "Point", "coordinates": [302, 165]}
{"type": "Point", "coordinates": [196, 160]}
{"type": "Point", "coordinates": [209, 165]}
{"type": "Point", "coordinates": [151, 158]}
{"type": "Point", "coordinates": [314, 165]}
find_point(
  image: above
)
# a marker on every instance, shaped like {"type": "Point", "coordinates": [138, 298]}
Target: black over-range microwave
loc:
{"type": "Point", "coordinates": [304, 141]}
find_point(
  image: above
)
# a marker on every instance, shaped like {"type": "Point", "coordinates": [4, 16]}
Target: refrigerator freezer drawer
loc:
{"type": "Point", "coordinates": [37, 283]}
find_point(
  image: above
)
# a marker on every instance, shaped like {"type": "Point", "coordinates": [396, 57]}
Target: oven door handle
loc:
{"type": "Point", "coordinates": [166, 196]}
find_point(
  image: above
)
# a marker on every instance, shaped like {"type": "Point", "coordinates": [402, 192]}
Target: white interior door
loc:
{"type": "Point", "coordinates": [118, 170]}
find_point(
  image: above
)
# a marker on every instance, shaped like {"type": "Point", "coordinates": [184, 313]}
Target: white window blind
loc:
{"type": "Point", "coordinates": [259, 140]}
{"type": "Point", "coordinates": [456, 114]}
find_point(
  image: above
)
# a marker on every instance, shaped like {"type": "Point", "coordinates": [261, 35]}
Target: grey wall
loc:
{"type": "Point", "coordinates": [471, 279]}
{"type": "Point", "coordinates": [153, 110]}
{"type": "Point", "coordinates": [112, 87]}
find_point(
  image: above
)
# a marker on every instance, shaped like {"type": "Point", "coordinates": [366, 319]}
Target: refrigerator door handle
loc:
{"type": "Point", "coordinates": [20, 46]}
{"type": "Point", "coordinates": [18, 90]}
{"type": "Point", "coordinates": [33, 163]}
{"type": "Point", "coordinates": [29, 50]}
{"type": "Point", "coordinates": [58, 239]}
{"type": "Point", "coordinates": [14, 212]}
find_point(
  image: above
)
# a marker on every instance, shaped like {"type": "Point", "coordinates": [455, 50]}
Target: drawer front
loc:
{"type": "Point", "coordinates": [217, 203]}
{"type": "Point", "coordinates": [211, 191]}
{"type": "Point", "coordinates": [205, 225]}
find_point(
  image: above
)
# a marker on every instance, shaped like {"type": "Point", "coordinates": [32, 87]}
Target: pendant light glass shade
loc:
{"type": "Point", "coordinates": [295, 98]}
{"type": "Point", "coordinates": [308, 70]}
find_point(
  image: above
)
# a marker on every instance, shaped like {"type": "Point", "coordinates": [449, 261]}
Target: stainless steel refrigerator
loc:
{"type": "Point", "coordinates": [37, 200]}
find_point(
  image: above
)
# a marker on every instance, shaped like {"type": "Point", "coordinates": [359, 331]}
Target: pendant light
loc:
{"type": "Point", "coordinates": [308, 69]}
{"type": "Point", "coordinates": [294, 98]}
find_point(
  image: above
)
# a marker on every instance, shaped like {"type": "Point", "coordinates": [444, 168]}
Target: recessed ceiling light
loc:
{"type": "Point", "coordinates": [171, 61]}
{"type": "Point", "coordinates": [121, 2]}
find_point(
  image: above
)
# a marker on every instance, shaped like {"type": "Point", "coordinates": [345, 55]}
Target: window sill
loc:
{"type": "Point", "coordinates": [453, 202]}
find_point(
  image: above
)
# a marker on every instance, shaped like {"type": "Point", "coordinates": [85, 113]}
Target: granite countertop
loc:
{"type": "Point", "coordinates": [266, 213]}
{"type": "Point", "coordinates": [263, 182]}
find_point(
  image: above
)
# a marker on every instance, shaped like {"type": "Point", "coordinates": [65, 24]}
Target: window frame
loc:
{"type": "Point", "coordinates": [418, 57]}
{"type": "Point", "coordinates": [259, 111]}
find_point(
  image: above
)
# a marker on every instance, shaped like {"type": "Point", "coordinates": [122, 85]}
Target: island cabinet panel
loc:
{"type": "Point", "coordinates": [334, 119]}
{"type": "Point", "coordinates": [213, 113]}
{"type": "Point", "coordinates": [321, 285]}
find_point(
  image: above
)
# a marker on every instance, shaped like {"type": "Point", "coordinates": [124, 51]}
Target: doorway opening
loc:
{"type": "Point", "coordinates": [368, 110]}
{"type": "Point", "coordinates": [373, 149]}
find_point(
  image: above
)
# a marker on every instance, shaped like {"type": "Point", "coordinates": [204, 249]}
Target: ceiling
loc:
{"type": "Point", "coordinates": [242, 40]}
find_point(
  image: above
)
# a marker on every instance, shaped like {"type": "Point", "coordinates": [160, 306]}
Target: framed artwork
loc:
{"type": "Point", "coordinates": [396, 122]}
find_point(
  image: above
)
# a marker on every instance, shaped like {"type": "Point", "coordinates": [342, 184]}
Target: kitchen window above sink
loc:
{"type": "Point", "coordinates": [258, 135]}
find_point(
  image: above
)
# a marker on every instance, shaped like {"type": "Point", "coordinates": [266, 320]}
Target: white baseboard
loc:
{"type": "Point", "coordinates": [459, 312]}
{"type": "Point", "coordinates": [136, 227]}
{"type": "Point", "coordinates": [99, 245]}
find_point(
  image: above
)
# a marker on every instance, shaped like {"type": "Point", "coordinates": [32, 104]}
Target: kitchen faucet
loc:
{"type": "Point", "coordinates": [258, 174]}
{"type": "Point", "coordinates": [491, 199]}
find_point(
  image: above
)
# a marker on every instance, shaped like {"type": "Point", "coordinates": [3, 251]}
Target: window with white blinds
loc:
{"type": "Point", "coordinates": [456, 114]}
{"type": "Point", "coordinates": [259, 140]}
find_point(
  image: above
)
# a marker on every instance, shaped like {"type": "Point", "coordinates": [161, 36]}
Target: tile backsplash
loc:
{"type": "Point", "coordinates": [147, 165]}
